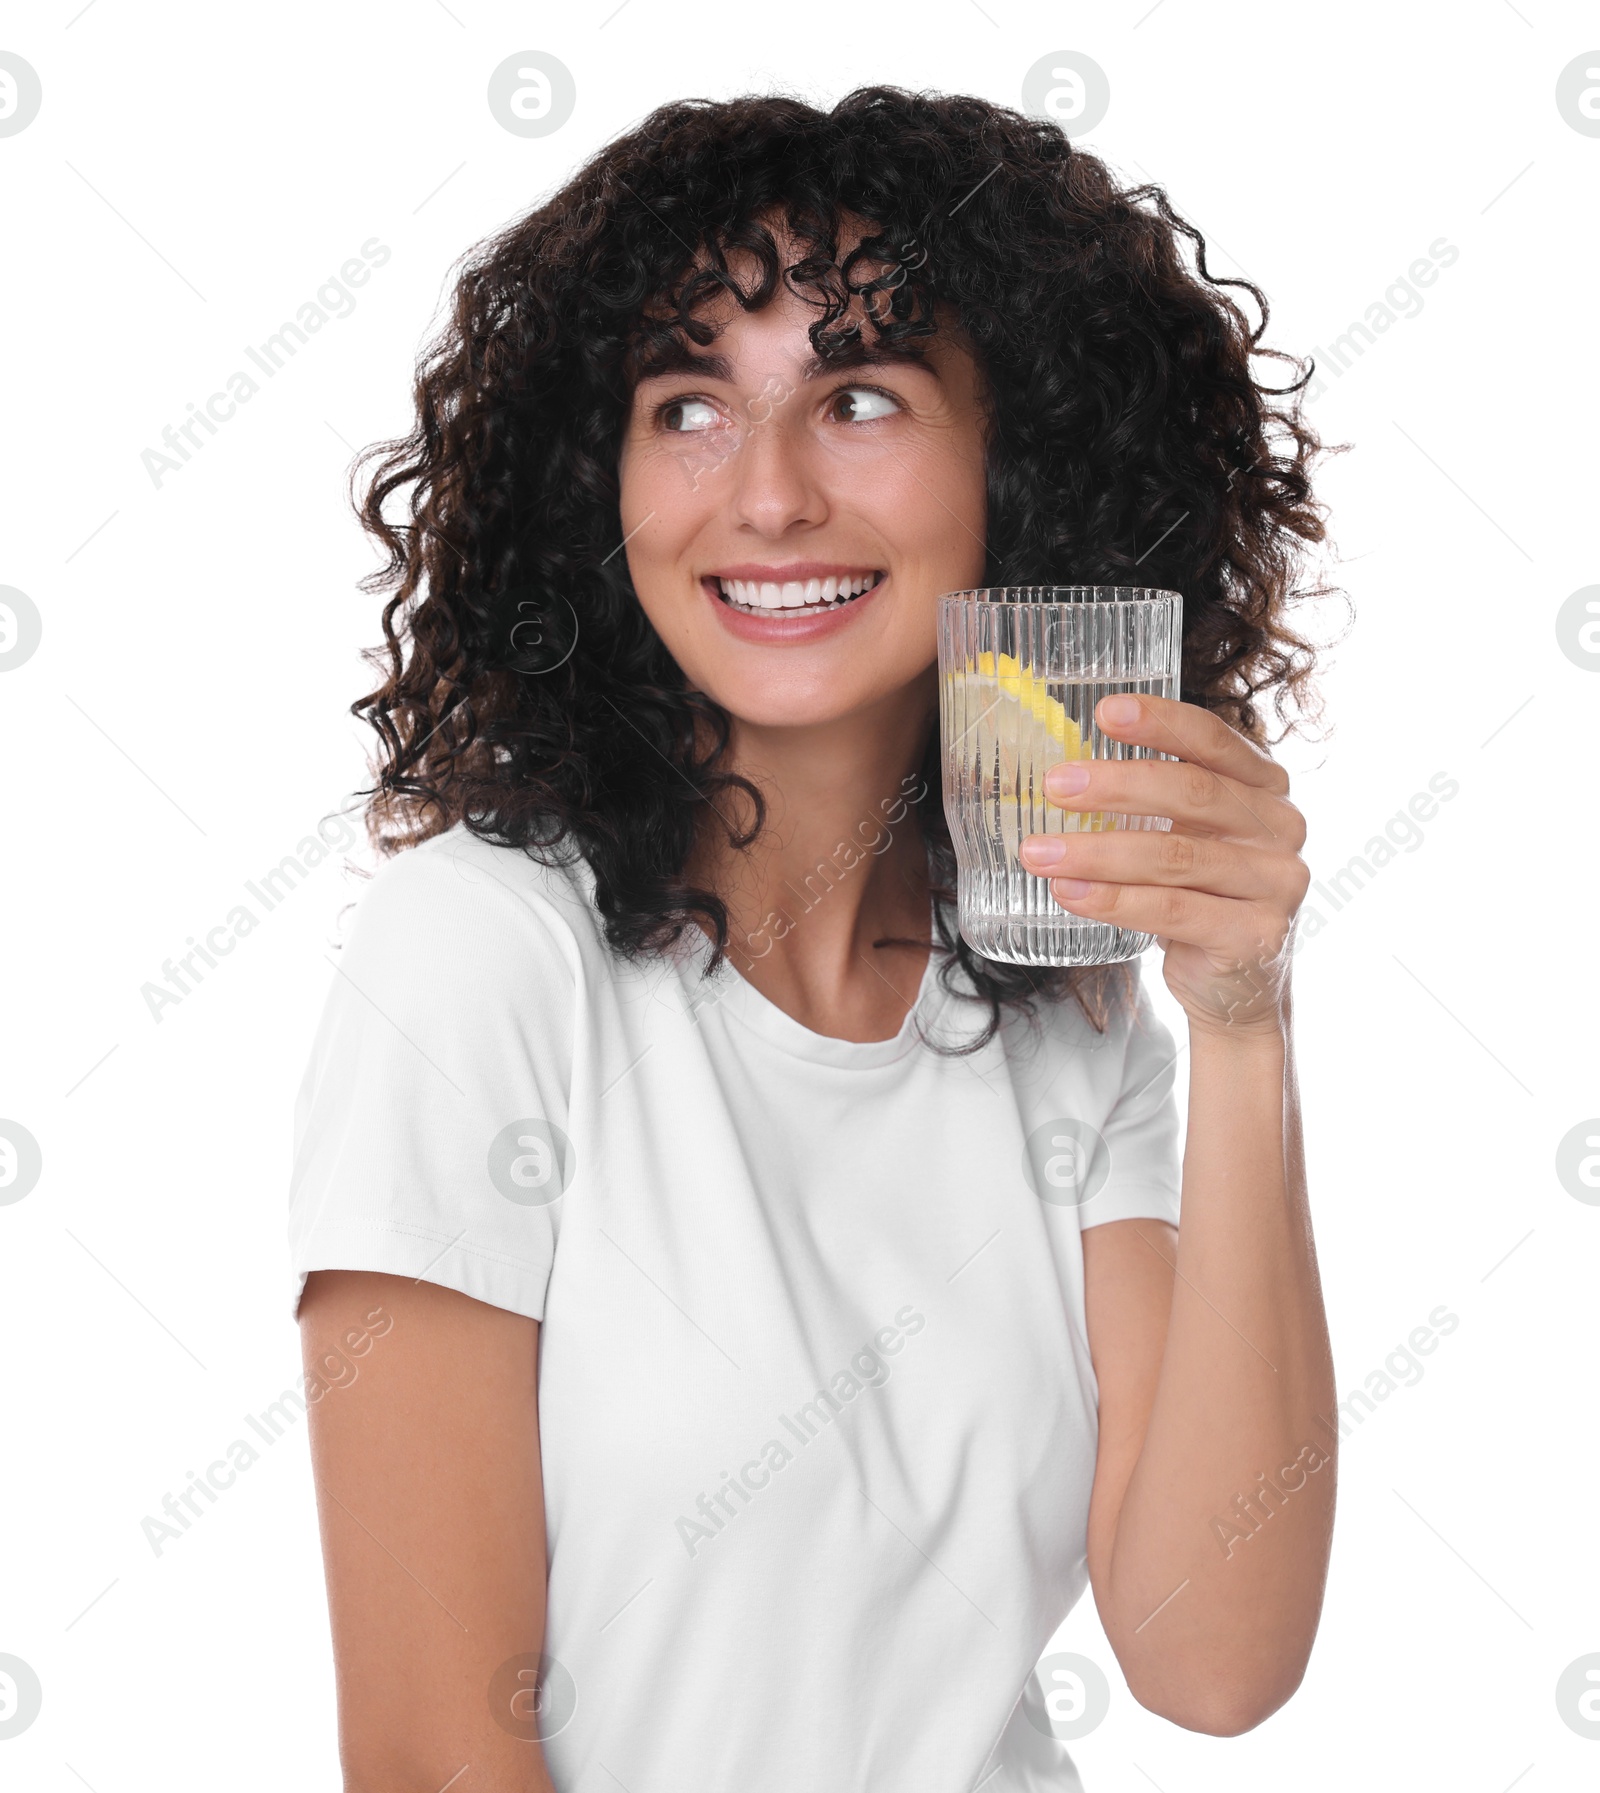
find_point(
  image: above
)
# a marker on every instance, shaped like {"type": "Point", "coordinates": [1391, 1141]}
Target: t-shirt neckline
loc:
{"type": "Point", "coordinates": [762, 1016]}
{"type": "Point", "coordinates": [739, 997]}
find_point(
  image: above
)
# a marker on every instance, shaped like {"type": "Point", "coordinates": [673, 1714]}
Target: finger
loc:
{"type": "Point", "coordinates": [1190, 733]}
{"type": "Point", "coordinates": [1236, 930]}
{"type": "Point", "coordinates": [1192, 797]}
{"type": "Point", "coordinates": [1168, 857]}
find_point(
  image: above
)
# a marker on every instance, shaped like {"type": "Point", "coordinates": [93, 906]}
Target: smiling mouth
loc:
{"type": "Point", "coordinates": [794, 597]}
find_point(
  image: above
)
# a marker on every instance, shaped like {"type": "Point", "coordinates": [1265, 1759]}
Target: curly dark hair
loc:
{"type": "Point", "coordinates": [1130, 444]}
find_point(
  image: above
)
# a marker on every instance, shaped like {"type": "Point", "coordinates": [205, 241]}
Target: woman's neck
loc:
{"type": "Point", "coordinates": [840, 864]}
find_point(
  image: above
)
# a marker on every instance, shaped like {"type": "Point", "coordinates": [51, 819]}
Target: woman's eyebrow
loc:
{"type": "Point", "coordinates": [678, 358]}
{"type": "Point", "coordinates": [866, 354]}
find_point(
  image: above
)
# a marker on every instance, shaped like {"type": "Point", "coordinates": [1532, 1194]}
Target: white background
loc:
{"type": "Point", "coordinates": [195, 173]}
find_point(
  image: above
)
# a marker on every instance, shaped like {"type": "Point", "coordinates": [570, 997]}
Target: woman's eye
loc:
{"type": "Point", "coordinates": [865, 403]}
{"type": "Point", "coordinates": [687, 415]}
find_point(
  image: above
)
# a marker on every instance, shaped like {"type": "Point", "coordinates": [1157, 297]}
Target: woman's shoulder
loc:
{"type": "Point", "coordinates": [456, 904]}
{"type": "Point", "coordinates": [1059, 1037]}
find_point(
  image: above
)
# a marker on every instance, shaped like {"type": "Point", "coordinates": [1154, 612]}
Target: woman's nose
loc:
{"type": "Point", "coordinates": [775, 484]}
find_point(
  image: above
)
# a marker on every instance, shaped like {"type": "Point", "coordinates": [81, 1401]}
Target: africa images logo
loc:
{"type": "Point", "coordinates": [332, 300]}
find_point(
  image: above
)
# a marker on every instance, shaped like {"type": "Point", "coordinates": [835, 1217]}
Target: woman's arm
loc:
{"type": "Point", "coordinates": [1211, 1519]}
{"type": "Point", "coordinates": [1212, 1514]}
{"type": "Point", "coordinates": [431, 1504]}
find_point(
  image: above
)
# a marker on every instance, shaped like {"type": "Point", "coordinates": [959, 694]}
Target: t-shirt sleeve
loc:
{"type": "Point", "coordinates": [429, 1129]}
{"type": "Point", "coordinates": [1140, 1134]}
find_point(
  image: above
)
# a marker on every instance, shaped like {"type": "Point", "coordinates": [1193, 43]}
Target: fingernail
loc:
{"type": "Point", "coordinates": [1120, 709]}
{"type": "Point", "coordinates": [1044, 849]}
{"type": "Point", "coordinates": [1071, 887]}
{"type": "Point", "coordinates": [1065, 780]}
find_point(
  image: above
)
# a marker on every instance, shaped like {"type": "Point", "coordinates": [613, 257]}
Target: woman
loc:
{"type": "Point", "coordinates": [735, 1407]}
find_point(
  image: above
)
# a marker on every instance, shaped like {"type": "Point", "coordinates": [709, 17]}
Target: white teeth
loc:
{"type": "Point", "coordinates": [794, 594]}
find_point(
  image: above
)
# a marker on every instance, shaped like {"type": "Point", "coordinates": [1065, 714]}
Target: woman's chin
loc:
{"type": "Point", "coordinates": [756, 704]}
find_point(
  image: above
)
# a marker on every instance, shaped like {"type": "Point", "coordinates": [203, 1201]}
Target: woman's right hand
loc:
{"type": "Point", "coordinates": [431, 1501]}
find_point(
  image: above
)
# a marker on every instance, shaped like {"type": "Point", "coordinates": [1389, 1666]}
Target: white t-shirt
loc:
{"type": "Point", "coordinates": [817, 1412]}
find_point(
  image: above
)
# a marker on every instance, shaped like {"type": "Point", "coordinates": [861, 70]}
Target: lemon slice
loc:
{"type": "Point", "coordinates": [1002, 709]}
{"type": "Point", "coordinates": [1028, 693]}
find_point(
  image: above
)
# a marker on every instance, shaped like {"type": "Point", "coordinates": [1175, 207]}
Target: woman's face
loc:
{"type": "Point", "coordinates": [758, 486]}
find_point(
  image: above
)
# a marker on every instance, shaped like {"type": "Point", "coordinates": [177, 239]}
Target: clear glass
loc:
{"type": "Point", "coordinates": [1021, 668]}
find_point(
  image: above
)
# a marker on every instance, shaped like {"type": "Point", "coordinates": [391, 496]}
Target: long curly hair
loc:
{"type": "Point", "coordinates": [1131, 443]}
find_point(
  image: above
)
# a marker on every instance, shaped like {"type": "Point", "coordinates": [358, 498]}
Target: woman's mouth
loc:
{"type": "Point", "coordinates": [793, 597]}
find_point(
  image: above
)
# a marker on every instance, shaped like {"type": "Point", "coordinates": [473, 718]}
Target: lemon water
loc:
{"type": "Point", "coordinates": [1004, 727]}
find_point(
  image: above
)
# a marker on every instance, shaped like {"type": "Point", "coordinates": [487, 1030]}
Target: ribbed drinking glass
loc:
{"type": "Point", "coordinates": [1021, 668]}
